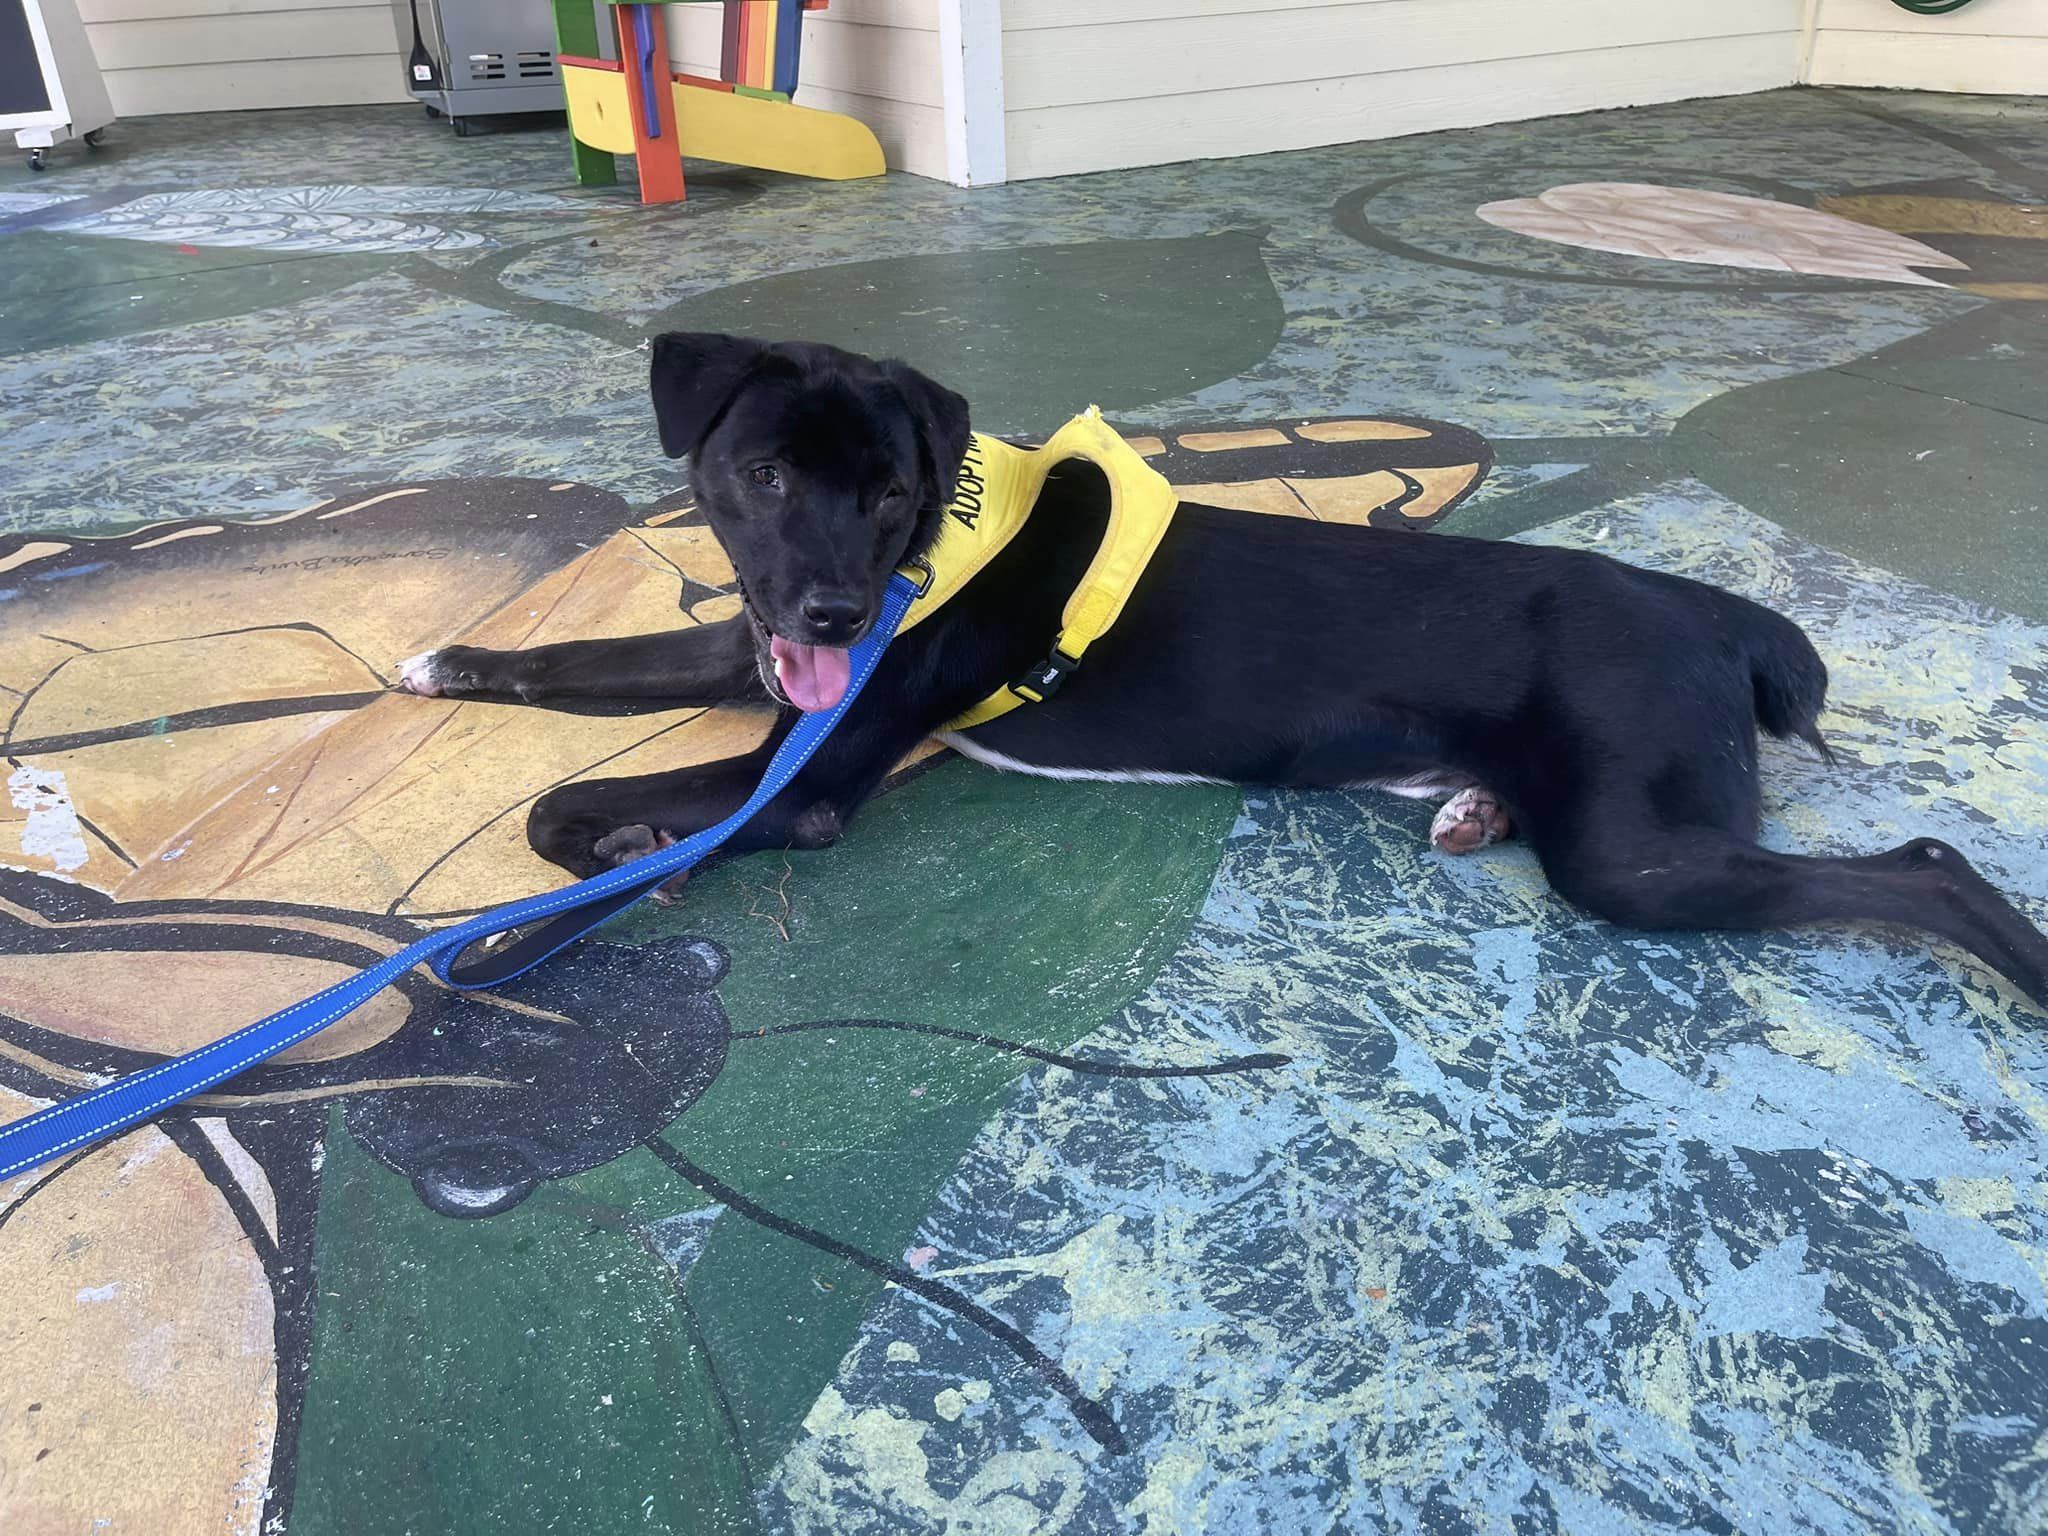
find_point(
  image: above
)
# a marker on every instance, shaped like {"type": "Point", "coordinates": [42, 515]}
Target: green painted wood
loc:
{"type": "Point", "coordinates": [576, 33]}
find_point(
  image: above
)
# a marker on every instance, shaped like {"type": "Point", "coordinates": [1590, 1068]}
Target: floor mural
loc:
{"type": "Point", "coordinates": [240, 813]}
{"type": "Point", "coordinates": [1047, 1157]}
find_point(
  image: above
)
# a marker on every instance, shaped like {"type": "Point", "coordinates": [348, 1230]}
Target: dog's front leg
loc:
{"type": "Point", "coordinates": [704, 664]}
{"type": "Point", "coordinates": [597, 824]}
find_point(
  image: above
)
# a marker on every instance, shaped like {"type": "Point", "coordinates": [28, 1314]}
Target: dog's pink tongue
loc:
{"type": "Point", "coordinates": [814, 676]}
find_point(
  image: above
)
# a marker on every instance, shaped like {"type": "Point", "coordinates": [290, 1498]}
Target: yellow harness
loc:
{"type": "Point", "coordinates": [998, 490]}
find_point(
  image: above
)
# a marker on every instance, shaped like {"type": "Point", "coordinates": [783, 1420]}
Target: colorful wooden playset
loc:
{"type": "Point", "coordinates": [638, 106]}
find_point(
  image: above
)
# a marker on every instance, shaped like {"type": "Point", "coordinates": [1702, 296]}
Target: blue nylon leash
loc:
{"type": "Point", "coordinates": [572, 911]}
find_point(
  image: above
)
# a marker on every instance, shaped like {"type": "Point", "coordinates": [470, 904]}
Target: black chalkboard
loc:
{"type": "Point", "coordinates": [21, 77]}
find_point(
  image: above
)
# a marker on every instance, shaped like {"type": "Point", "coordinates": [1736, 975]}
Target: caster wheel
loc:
{"type": "Point", "coordinates": [432, 110]}
{"type": "Point", "coordinates": [460, 125]}
{"type": "Point", "coordinates": [96, 138]}
{"type": "Point", "coordinates": [39, 160]}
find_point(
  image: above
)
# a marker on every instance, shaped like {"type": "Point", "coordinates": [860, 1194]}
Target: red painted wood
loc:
{"type": "Point", "coordinates": [659, 161]}
{"type": "Point", "coordinates": [729, 48]}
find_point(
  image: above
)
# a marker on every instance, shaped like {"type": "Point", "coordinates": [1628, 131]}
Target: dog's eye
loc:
{"type": "Point", "coordinates": [894, 493]}
{"type": "Point", "coordinates": [764, 474]}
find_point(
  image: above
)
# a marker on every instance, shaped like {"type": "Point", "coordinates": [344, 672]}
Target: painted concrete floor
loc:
{"type": "Point", "coordinates": [1540, 1226]}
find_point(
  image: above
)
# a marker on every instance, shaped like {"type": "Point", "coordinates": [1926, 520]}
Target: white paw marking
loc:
{"type": "Point", "coordinates": [416, 675]}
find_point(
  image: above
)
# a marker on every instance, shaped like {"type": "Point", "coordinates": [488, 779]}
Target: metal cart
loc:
{"type": "Point", "coordinates": [474, 58]}
{"type": "Point", "coordinates": [50, 85]}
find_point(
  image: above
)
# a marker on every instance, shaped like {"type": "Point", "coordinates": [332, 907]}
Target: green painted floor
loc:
{"type": "Point", "coordinates": [1539, 1226]}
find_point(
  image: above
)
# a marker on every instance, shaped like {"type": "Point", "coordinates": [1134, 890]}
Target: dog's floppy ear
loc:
{"type": "Point", "coordinates": [693, 378]}
{"type": "Point", "coordinates": [941, 418]}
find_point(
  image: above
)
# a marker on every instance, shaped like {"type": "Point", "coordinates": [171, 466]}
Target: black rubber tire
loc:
{"type": "Point", "coordinates": [39, 160]}
{"type": "Point", "coordinates": [460, 125]}
{"type": "Point", "coordinates": [432, 110]}
{"type": "Point", "coordinates": [94, 139]}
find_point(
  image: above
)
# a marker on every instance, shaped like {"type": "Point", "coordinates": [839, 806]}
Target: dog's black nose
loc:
{"type": "Point", "coordinates": [834, 617]}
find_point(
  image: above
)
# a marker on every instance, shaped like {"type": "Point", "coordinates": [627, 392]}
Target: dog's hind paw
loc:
{"type": "Point", "coordinates": [1469, 821]}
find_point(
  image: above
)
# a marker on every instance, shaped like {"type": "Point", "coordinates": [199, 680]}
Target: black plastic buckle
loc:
{"type": "Point", "coordinates": [1043, 680]}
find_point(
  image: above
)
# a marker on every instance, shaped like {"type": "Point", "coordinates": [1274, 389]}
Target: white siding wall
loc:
{"type": "Point", "coordinates": [877, 60]}
{"type": "Point", "coordinates": [1989, 45]}
{"type": "Point", "coordinates": [208, 55]}
{"type": "Point", "coordinates": [1094, 84]}
{"type": "Point", "coordinates": [1097, 84]}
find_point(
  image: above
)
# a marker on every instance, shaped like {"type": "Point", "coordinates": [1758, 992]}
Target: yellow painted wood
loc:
{"type": "Point", "coordinates": [598, 113]}
{"type": "Point", "coordinates": [733, 129]}
{"type": "Point", "coordinates": [774, 135]}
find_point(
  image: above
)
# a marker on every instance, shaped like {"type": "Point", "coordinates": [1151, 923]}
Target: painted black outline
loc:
{"type": "Point", "coordinates": [1092, 1415]}
{"type": "Point", "coordinates": [1259, 1061]}
{"type": "Point", "coordinates": [1090, 1412]}
{"type": "Point", "coordinates": [213, 716]}
{"type": "Point", "coordinates": [61, 1168]}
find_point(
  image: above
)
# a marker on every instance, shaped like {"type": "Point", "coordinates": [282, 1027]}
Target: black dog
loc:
{"type": "Point", "coordinates": [1611, 711]}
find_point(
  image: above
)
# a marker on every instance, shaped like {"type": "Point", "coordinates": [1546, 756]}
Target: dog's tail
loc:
{"type": "Point", "coordinates": [1788, 676]}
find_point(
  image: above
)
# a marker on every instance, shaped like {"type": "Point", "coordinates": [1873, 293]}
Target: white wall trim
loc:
{"type": "Point", "coordinates": [1809, 27]}
{"type": "Point", "coordinates": [971, 62]}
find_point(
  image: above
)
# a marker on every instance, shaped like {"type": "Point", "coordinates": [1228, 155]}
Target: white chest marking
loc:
{"type": "Point", "coordinates": [959, 742]}
{"type": "Point", "coordinates": [1422, 786]}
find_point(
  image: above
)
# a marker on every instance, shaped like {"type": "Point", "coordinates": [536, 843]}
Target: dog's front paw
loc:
{"type": "Point", "coordinates": [453, 671]}
{"type": "Point", "coordinates": [417, 674]}
{"type": "Point", "coordinates": [626, 844]}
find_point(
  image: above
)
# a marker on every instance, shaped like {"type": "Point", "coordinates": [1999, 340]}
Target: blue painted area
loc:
{"type": "Point", "coordinates": [1772, 1294]}
{"type": "Point", "coordinates": [1973, 1251]}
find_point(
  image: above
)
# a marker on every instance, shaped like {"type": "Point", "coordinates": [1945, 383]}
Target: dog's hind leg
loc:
{"type": "Point", "coordinates": [1703, 878]}
{"type": "Point", "coordinates": [704, 664]}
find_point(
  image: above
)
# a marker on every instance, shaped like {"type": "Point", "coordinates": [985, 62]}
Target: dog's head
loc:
{"type": "Point", "coordinates": [820, 471]}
